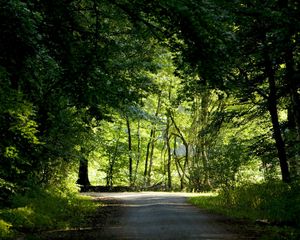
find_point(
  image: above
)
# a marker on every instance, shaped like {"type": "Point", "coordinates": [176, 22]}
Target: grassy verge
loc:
{"type": "Point", "coordinates": [275, 207]}
{"type": "Point", "coordinates": [42, 210]}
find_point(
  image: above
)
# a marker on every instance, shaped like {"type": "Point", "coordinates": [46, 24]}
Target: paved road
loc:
{"type": "Point", "coordinates": [153, 215]}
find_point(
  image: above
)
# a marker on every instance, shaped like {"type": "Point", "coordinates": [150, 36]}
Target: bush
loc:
{"type": "Point", "coordinates": [276, 201]}
{"type": "Point", "coordinates": [41, 210]}
{"type": "Point", "coordinates": [5, 229]}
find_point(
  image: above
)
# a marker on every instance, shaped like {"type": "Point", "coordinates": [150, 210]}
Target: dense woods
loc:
{"type": "Point", "coordinates": [159, 95]}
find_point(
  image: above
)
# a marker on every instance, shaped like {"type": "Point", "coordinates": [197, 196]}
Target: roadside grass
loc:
{"type": "Point", "coordinates": [274, 207]}
{"type": "Point", "coordinates": [42, 210]}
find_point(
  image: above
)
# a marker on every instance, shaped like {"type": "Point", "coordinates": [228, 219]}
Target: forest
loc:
{"type": "Point", "coordinates": [169, 95]}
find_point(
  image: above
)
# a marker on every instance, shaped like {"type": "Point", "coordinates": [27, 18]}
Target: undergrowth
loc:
{"type": "Point", "coordinates": [41, 210]}
{"type": "Point", "coordinates": [276, 205]}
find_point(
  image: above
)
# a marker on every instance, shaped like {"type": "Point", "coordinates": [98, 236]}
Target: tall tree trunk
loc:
{"type": "Point", "coordinates": [278, 138]}
{"type": "Point", "coordinates": [203, 142]}
{"type": "Point", "coordinates": [292, 78]}
{"type": "Point", "coordinates": [147, 171]}
{"type": "Point", "coordinates": [179, 168]}
{"type": "Point", "coordinates": [185, 166]}
{"type": "Point", "coordinates": [109, 172]}
{"type": "Point", "coordinates": [151, 158]}
{"type": "Point", "coordinates": [129, 151]}
{"type": "Point", "coordinates": [293, 147]}
{"type": "Point", "coordinates": [112, 160]}
{"type": "Point", "coordinates": [167, 137]}
{"type": "Point", "coordinates": [207, 184]}
{"type": "Point", "coordinates": [196, 173]}
{"type": "Point", "coordinates": [147, 157]}
{"type": "Point", "coordinates": [138, 151]}
{"type": "Point", "coordinates": [185, 143]}
{"type": "Point", "coordinates": [293, 113]}
{"type": "Point", "coordinates": [293, 81]}
{"type": "Point", "coordinates": [272, 106]}
{"type": "Point", "coordinates": [83, 176]}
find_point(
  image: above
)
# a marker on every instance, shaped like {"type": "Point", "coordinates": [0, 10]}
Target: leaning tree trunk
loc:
{"type": "Point", "coordinates": [186, 145]}
{"type": "Point", "coordinates": [147, 158]}
{"type": "Point", "coordinates": [147, 169]}
{"type": "Point", "coordinates": [151, 158]}
{"type": "Point", "coordinates": [272, 106]}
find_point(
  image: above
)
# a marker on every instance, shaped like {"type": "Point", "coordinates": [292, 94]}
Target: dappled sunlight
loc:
{"type": "Point", "coordinates": [163, 97]}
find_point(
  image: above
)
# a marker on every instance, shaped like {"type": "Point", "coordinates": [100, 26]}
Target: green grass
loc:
{"type": "Point", "coordinates": [277, 203]}
{"type": "Point", "coordinates": [42, 210]}
{"type": "Point", "coordinates": [215, 203]}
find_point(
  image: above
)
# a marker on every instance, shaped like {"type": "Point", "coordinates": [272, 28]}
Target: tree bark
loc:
{"type": "Point", "coordinates": [186, 145]}
{"type": "Point", "coordinates": [167, 137]}
{"type": "Point", "coordinates": [112, 160]}
{"type": "Point", "coordinates": [203, 142]}
{"type": "Point", "coordinates": [147, 172]}
{"type": "Point", "coordinates": [147, 157]}
{"type": "Point", "coordinates": [138, 152]}
{"type": "Point", "coordinates": [277, 135]}
{"type": "Point", "coordinates": [272, 106]}
{"type": "Point", "coordinates": [83, 176]}
{"type": "Point", "coordinates": [293, 113]}
{"type": "Point", "coordinates": [129, 151]}
{"type": "Point", "coordinates": [151, 158]}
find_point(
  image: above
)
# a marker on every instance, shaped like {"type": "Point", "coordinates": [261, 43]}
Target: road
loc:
{"type": "Point", "coordinates": [156, 215]}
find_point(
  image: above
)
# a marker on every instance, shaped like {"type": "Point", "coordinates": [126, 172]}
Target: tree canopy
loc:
{"type": "Point", "coordinates": [186, 94]}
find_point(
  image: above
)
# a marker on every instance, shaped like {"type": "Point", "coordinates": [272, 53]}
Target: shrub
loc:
{"type": "Point", "coordinates": [5, 229]}
{"type": "Point", "coordinates": [275, 201]}
{"type": "Point", "coordinates": [40, 210]}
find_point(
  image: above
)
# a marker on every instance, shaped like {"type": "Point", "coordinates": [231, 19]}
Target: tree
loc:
{"type": "Point", "coordinates": [262, 36]}
{"type": "Point", "coordinates": [211, 31]}
{"type": "Point", "coordinates": [150, 146]}
{"type": "Point", "coordinates": [67, 64]}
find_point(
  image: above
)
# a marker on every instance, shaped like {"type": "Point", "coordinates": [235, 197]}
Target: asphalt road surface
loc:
{"type": "Point", "coordinates": [156, 215]}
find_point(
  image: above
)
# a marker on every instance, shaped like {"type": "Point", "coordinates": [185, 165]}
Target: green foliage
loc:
{"type": "Point", "coordinates": [270, 200]}
{"type": "Point", "coordinates": [209, 201]}
{"type": "Point", "coordinates": [18, 131]}
{"type": "Point", "coordinates": [5, 231]}
{"type": "Point", "coordinates": [40, 210]}
{"type": "Point", "coordinates": [66, 65]}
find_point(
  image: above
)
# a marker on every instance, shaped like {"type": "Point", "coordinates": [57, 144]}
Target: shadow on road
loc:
{"type": "Point", "coordinates": [153, 215]}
